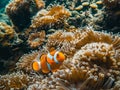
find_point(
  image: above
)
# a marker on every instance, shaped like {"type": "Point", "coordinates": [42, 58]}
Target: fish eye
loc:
{"type": "Point", "coordinates": [58, 55]}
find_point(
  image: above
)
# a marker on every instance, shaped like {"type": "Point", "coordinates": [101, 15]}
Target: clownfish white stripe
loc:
{"type": "Point", "coordinates": [38, 60]}
{"type": "Point", "coordinates": [55, 57]}
{"type": "Point", "coordinates": [50, 56]}
{"type": "Point", "coordinates": [49, 67]}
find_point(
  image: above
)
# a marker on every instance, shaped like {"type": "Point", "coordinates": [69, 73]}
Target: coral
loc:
{"type": "Point", "coordinates": [36, 39]}
{"type": "Point", "coordinates": [20, 11]}
{"type": "Point", "coordinates": [88, 13]}
{"type": "Point", "coordinates": [92, 57]}
{"type": "Point", "coordinates": [8, 36]}
{"type": "Point", "coordinates": [54, 18]}
{"type": "Point", "coordinates": [14, 81]}
{"type": "Point", "coordinates": [40, 4]}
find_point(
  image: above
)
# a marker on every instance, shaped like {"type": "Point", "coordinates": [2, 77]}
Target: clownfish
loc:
{"type": "Point", "coordinates": [48, 62]}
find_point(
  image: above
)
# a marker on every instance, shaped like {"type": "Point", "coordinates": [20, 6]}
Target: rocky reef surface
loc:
{"type": "Point", "coordinates": [86, 31]}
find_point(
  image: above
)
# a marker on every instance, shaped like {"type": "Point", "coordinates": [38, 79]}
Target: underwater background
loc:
{"type": "Point", "coordinates": [84, 35]}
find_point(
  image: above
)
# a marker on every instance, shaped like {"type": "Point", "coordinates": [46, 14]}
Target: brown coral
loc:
{"type": "Point", "coordinates": [40, 4]}
{"type": "Point", "coordinates": [14, 81]}
{"type": "Point", "coordinates": [36, 39]}
{"type": "Point", "coordinates": [54, 18]}
{"type": "Point", "coordinates": [7, 35]}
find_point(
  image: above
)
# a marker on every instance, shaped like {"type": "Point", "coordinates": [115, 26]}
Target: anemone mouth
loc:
{"type": "Point", "coordinates": [36, 39]}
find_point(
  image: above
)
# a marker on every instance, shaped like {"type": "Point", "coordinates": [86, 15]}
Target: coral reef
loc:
{"type": "Point", "coordinates": [69, 26]}
{"type": "Point", "coordinates": [86, 13]}
{"type": "Point", "coordinates": [94, 63]}
{"type": "Point", "coordinates": [8, 36]}
{"type": "Point", "coordinates": [54, 18]}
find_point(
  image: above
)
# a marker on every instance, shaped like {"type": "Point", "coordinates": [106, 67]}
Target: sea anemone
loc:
{"type": "Point", "coordinates": [94, 64]}
{"type": "Point", "coordinates": [54, 18]}
{"type": "Point", "coordinates": [15, 81]}
{"type": "Point", "coordinates": [65, 41]}
{"type": "Point", "coordinates": [36, 39]}
{"type": "Point", "coordinates": [25, 61]}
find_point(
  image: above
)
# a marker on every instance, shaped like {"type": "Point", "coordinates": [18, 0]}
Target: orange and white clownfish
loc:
{"type": "Point", "coordinates": [48, 62]}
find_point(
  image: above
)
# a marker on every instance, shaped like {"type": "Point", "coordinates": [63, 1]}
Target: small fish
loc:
{"type": "Point", "coordinates": [48, 62]}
